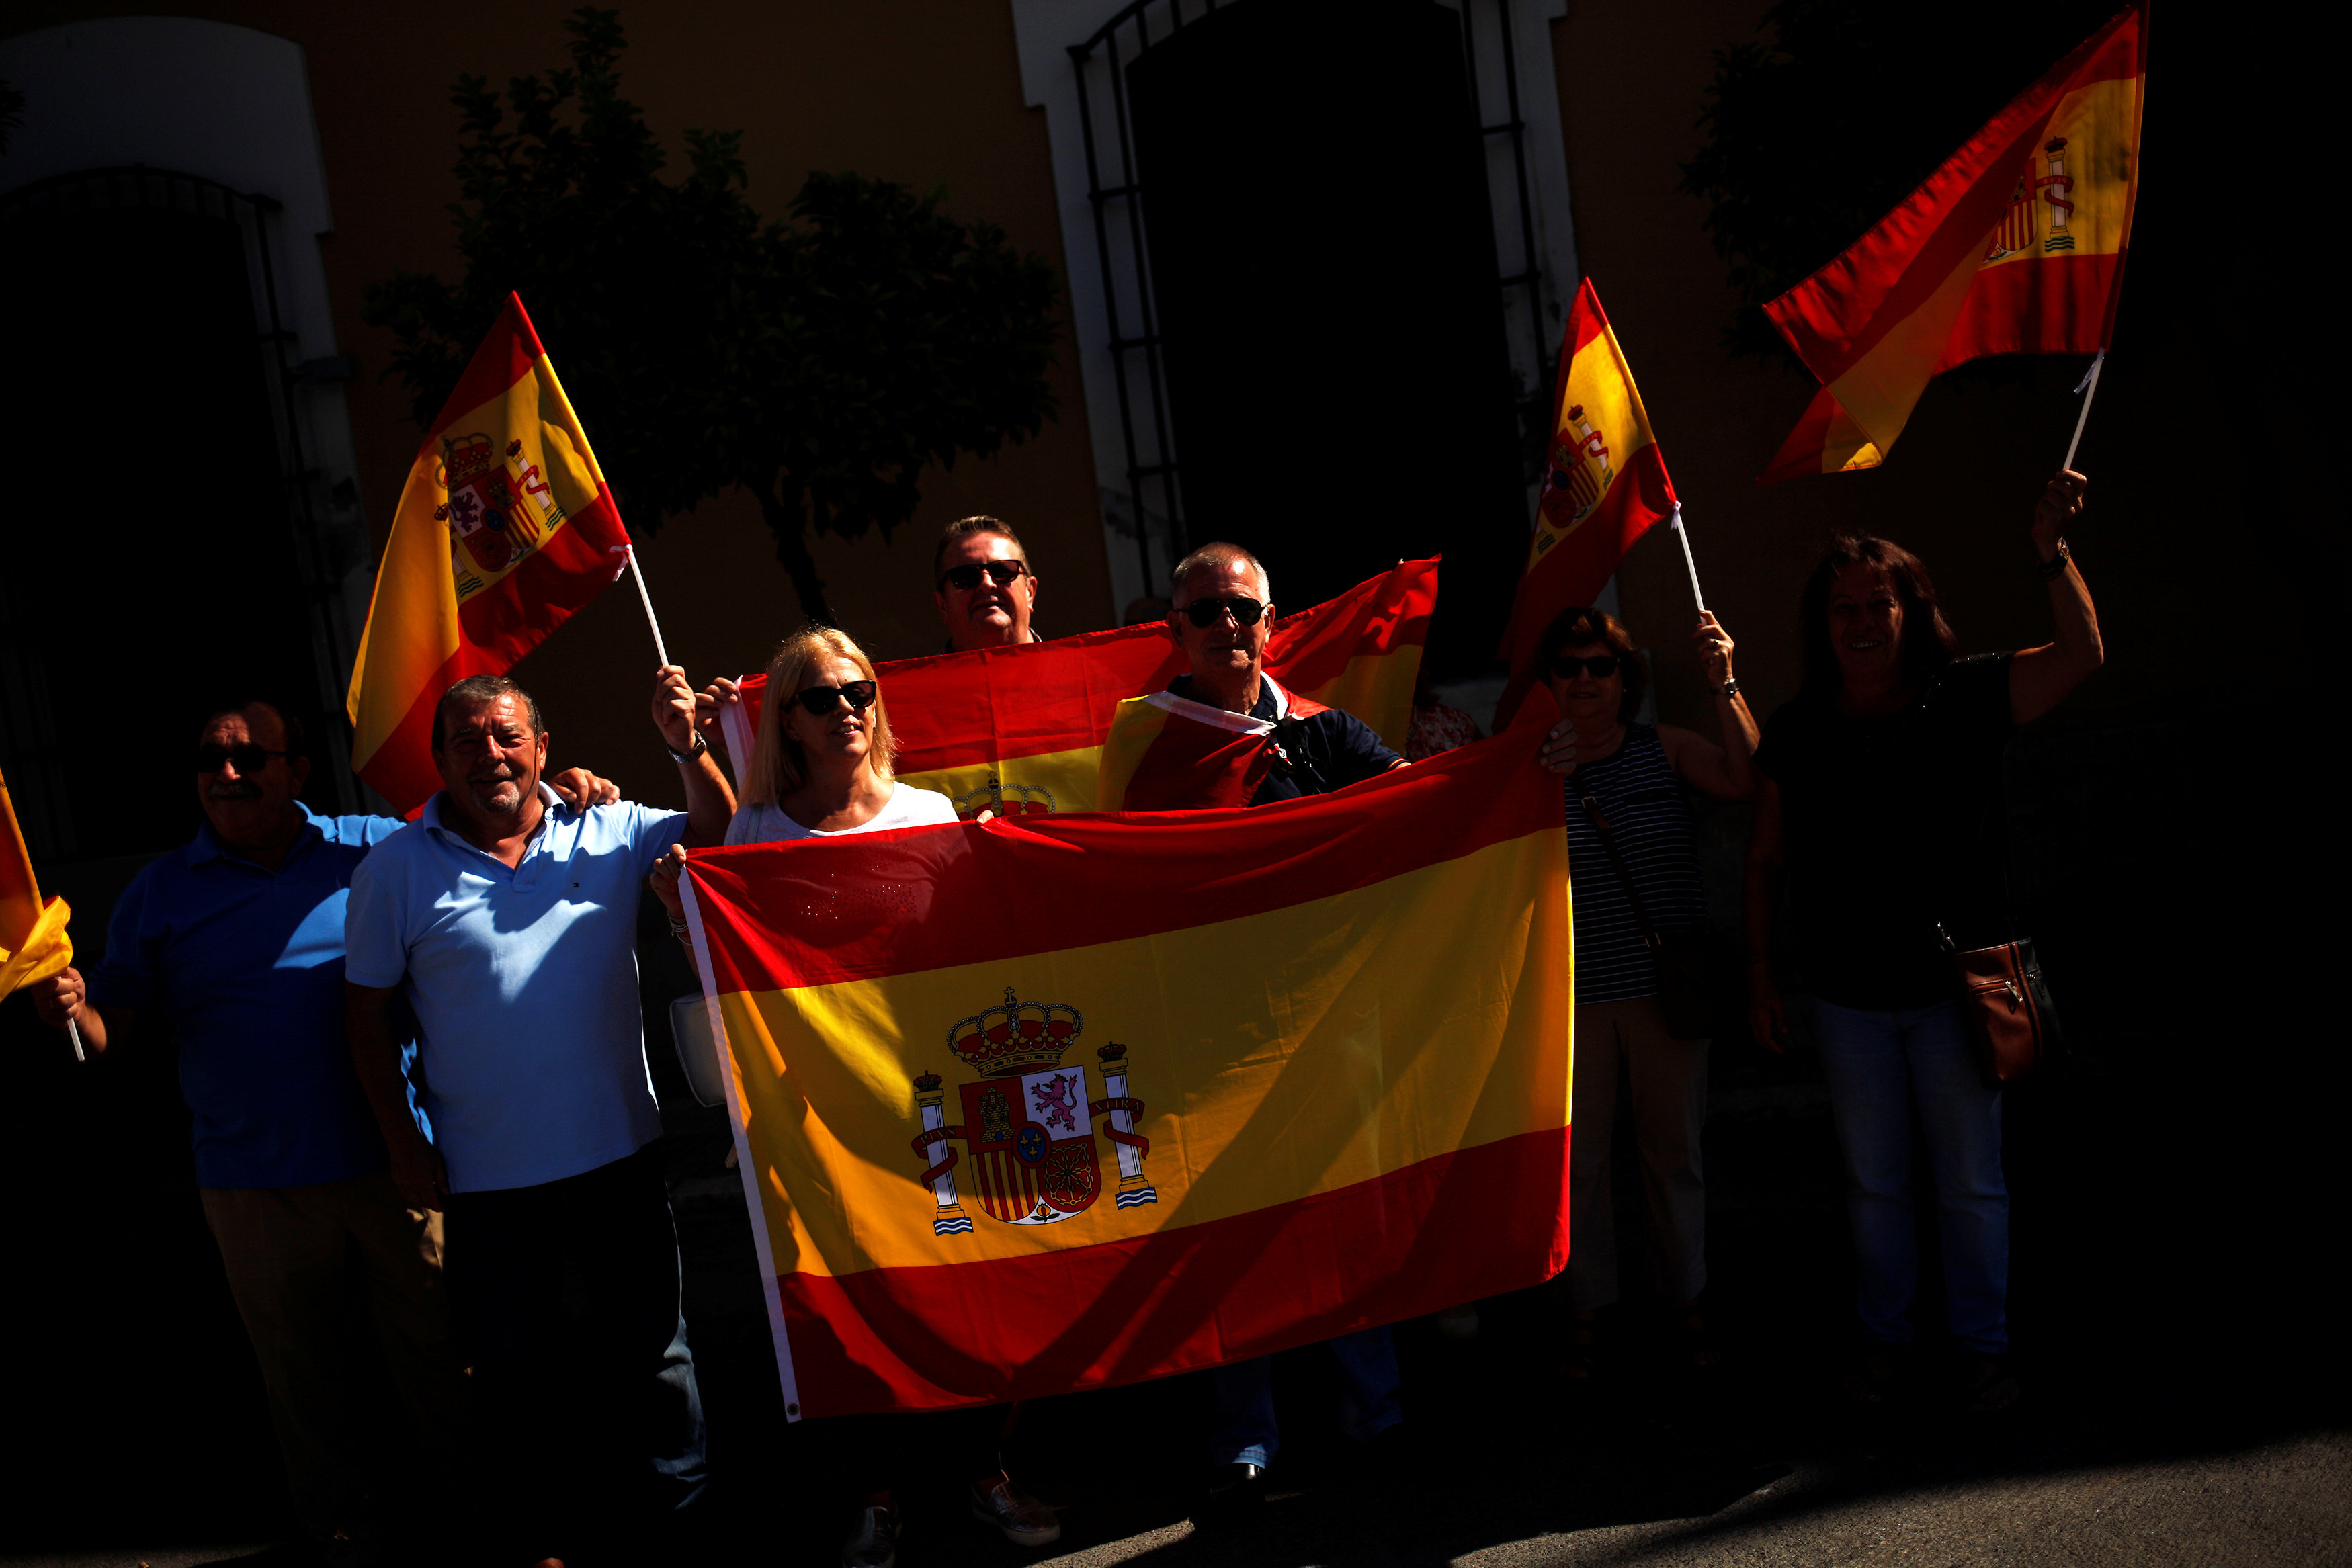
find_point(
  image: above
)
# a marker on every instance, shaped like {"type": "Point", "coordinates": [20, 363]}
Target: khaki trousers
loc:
{"type": "Point", "coordinates": [317, 1272]}
{"type": "Point", "coordinates": [1628, 1040]}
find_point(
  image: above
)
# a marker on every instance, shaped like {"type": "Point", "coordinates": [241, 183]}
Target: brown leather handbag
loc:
{"type": "Point", "coordinates": [2006, 1004]}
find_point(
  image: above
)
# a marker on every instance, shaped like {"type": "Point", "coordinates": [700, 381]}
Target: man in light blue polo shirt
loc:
{"type": "Point", "coordinates": [232, 949]}
{"type": "Point", "coordinates": [508, 921]}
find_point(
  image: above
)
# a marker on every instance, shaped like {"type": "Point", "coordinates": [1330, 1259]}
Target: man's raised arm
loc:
{"type": "Point", "coordinates": [710, 803]}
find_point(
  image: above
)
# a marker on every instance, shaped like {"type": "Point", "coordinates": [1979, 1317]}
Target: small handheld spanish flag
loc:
{"type": "Point", "coordinates": [1605, 485]}
{"type": "Point", "coordinates": [33, 941]}
{"type": "Point", "coordinates": [2015, 244]}
{"type": "Point", "coordinates": [505, 527]}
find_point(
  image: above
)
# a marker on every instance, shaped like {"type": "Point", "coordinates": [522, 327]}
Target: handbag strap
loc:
{"type": "Point", "coordinates": [1624, 878]}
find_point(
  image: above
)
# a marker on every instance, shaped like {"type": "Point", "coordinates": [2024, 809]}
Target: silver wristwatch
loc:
{"type": "Point", "coordinates": [1731, 687]}
{"type": "Point", "coordinates": [700, 747]}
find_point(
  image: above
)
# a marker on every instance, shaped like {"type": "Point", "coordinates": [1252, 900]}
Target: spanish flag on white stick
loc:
{"type": "Point", "coordinates": [505, 527]}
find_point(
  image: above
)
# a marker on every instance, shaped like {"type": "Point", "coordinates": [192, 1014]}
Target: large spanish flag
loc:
{"type": "Point", "coordinates": [1057, 1102]}
{"type": "Point", "coordinates": [506, 526]}
{"type": "Point", "coordinates": [1605, 487]}
{"type": "Point", "coordinates": [2014, 246]}
{"type": "Point", "coordinates": [1020, 730]}
{"type": "Point", "coordinates": [33, 941]}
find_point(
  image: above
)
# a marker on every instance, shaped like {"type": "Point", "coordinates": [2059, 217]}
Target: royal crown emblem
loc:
{"type": "Point", "coordinates": [1028, 1121]}
{"type": "Point", "coordinates": [1004, 799]}
{"type": "Point", "coordinates": [1016, 1037]}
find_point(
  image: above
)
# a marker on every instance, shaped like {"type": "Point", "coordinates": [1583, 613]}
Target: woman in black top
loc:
{"type": "Point", "coordinates": [1635, 773]}
{"type": "Point", "coordinates": [1880, 808]}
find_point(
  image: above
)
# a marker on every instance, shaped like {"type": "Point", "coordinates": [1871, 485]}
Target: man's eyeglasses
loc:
{"type": "Point", "coordinates": [823, 700]}
{"type": "Point", "coordinates": [248, 759]}
{"type": "Point", "coordinates": [1004, 573]}
{"type": "Point", "coordinates": [1567, 667]}
{"type": "Point", "coordinates": [1204, 612]}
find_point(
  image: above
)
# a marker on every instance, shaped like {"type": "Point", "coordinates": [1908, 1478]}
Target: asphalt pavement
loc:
{"type": "Point", "coordinates": [2184, 1393]}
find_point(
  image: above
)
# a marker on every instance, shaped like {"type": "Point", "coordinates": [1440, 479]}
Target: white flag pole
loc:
{"type": "Point", "coordinates": [1684, 539]}
{"type": "Point", "coordinates": [2086, 388]}
{"type": "Point", "coordinates": [74, 1033]}
{"type": "Point", "coordinates": [661, 653]}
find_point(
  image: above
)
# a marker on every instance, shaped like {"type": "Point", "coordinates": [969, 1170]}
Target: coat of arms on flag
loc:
{"type": "Point", "coordinates": [486, 511]}
{"type": "Point", "coordinates": [1028, 1121]}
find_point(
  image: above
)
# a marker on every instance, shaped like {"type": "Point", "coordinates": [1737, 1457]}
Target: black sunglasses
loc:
{"type": "Point", "coordinates": [1568, 665]}
{"type": "Point", "coordinates": [248, 759]}
{"type": "Point", "coordinates": [821, 700]}
{"type": "Point", "coordinates": [1004, 573]}
{"type": "Point", "coordinates": [1204, 612]}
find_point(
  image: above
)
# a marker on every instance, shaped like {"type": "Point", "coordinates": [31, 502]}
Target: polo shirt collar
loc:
{"type": "Point", "coordinates": [433, 820]}
{"type": "Point", "coordinates": [207, 846]}
{"type": "Point", "coordinates": [1272, 702]}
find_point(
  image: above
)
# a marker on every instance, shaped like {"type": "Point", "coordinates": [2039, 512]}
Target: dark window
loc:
{"type": "Point", "coordinates": [156, 559]}
{"type": "Point", "coordinates": [1316, 290]}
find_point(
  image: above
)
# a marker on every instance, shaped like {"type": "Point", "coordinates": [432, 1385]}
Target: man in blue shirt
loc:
{"type": "Point", "coordinates": [1223, 614]}
{"type": "Point", "coordinates": [234, 948]}
{"type": "Point", "coordinates": [508, 923]}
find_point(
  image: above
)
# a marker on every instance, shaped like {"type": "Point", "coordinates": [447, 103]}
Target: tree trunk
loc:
{"type": "Point", "coordinates": [791, 549]}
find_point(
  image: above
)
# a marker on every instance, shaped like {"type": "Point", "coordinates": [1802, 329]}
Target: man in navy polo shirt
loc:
{"type": "Point", "coordinates": [234, 948]}
{"type": "Point", "coordinates": [1223, 614]}
{"type": "Point", "coordinates": [508, 922]}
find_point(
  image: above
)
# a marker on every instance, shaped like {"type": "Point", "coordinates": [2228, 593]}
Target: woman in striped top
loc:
{"type": "Point", "coordinates": [1635, 774]}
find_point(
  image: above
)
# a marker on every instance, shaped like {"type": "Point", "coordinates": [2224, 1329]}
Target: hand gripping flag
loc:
{"type": "Point", "coordinates": [1604, 486]}
{"type": "Point", "coordinates": [506, 526]}
{"type": "Point", "coordinates": [1020, 730]}
{"type": "Point", "coordinates": [33, 941]}
{"type": "Point", "coordinates": [2014, 246]}
{"type": "Point", "coordinates": [1064, 1101]}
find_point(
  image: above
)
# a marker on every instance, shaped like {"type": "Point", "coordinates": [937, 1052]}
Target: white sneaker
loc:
{"type": "Point", "coordinates": [1025, 1520]}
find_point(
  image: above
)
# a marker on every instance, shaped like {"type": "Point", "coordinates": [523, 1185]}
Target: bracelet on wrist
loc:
{"type": "Point", "coordinates": [2054, 569]}
{"type": "Point", "coordinates": [1731, 685]}
{"type": "Point", "coordinates": [700, 749]}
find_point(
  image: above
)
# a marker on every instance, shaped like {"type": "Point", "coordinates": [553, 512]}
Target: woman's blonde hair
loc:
{"type": "Point", "coordinates": [778, 768]}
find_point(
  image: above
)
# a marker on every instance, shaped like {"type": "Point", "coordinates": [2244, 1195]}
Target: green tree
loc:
{"type": "Point", "coordinates": [820, 361]}
{"type": "Point", "coordinates": [1814, 133]}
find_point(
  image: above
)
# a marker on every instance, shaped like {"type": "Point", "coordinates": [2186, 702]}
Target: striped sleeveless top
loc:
{"type": "Point", "coordinates": [1652, 820]}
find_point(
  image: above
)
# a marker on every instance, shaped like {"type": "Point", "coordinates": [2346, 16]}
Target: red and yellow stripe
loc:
{"type": "Point", "coordinates": [2014, 246]}
{"type": "Point", "coordinates": [1346, 1019]}
{"type": "Point", "coordinates": [34, 943]}
{"type": "Point", "coordinates": [1033, 717]}
{"type": "Point", "coordinates": [440, 614]}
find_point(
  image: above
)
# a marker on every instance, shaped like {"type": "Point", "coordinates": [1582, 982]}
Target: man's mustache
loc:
{"type": "Point", "coordinates": [240, 789]}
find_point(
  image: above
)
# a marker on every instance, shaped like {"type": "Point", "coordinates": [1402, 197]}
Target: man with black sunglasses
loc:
{"type": "Point", "coordinates": [235, 945]}
{"type": "Point", "coordinates": [1223, 614]}
{"type": "Point", "coordinates": [982, 586]}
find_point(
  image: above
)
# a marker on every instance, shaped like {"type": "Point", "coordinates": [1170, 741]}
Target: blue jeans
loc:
{"type": "Point", "coordinates": [1246, 1433]}
{"type": "Point", "coordinates": [1883, 1067]}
